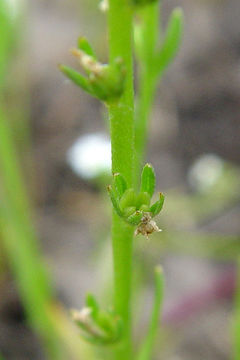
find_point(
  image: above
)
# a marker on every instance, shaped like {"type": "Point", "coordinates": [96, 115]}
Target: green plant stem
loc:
{"type": "Point", "coordinates": [147, 87]}
{"type": "Point", "coordinates": [20, 243]}
{"type": "Point", "coordinates": [121, 116]}
{"type": "Point", "coordinates": [236, 317]}
{"type": "Point", "coordinates": [148, 344]}
{"type": "Point", "coordinates": [147, 82]}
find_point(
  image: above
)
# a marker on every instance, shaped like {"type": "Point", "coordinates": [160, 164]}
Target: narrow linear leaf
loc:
{"type": "Point", "coordinates": [84, 45]}
{"type": "Point", "coordinates": [148, 180]}
{"type": "Point", "coordinates": [172, 40]}
{"type": "Point", "coordinates": [158, 205]}
{"type": "Point", "coordinates": [119, 184]}
{"type": "Point", "coordinates": [114, 201]}
{"type": "Point", "coordinates": [91, 302]}
{"type": "Point", "coordinates": [77, 78]}
{"type": "Point", "coordinates": [99, 87]}
{"type": "Point", "coordinates": [236, 317]}
{"type": "Point", "coordinates": [148, 344]}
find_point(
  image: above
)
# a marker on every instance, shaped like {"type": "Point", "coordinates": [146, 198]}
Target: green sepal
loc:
{"type": "Point", "coordinates": [98, 87]}
{"type": "Point", "coordinates": [158, 205]}
{"type": "Point", "coordinates": [145, 208]}
{"type": "Point", "coordinates": [91, 302]}
{"type": "Point", "coordinates": [128, 199]}
{"type": "Point", "coordinates": [148, 180]}
{"type": "Point", "coordinates": [135, 218]}
{"type": "Point", "coordinates": [171, 42]}
{"type": "Point", "coordinates": [112, 78]}
{"type": "Point", "coordinates": [84, 45]}
{"type": "Point", "coordinates": [129, 211]}
{"type": "Point", "coordinates": [77, 78]}
{"type": "Point", "coordinates": [106, 322]}
{"type": "Point", "coordinates": [143, 198]}
{"type": "Point", "coordinates": [119, 184]}
{"type": "Point", "coordinates": [108, 84]}
{"type": "Point", "coordinates": [114, 200]}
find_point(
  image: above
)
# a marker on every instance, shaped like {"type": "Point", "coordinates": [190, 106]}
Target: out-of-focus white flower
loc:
{"type": "Point", "coordinates": [12, 7]}
{"type": "Point", "coordinates": [103, 5]}
{"type": "Point", "coordinates": [205, 172]}
{"type": "Point", "coordinates": [90, 155]}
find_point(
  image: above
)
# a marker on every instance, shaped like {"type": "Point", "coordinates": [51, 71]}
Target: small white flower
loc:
{"type": "Point", "coordinates": [90, 155]}
{"type": "Point", "coordinates": [104, 5]}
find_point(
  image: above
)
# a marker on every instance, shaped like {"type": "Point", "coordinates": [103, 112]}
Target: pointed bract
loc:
{"type": "Point", "coordinates": [157, 206]}
{"type": "Point", "coordinates": [148, 180]}
{"type": "Point", "coordinates": [119, 184]}
{"type": "Point", "coordinates": [84, 45]}
{"type": "Point", "coordinates": [91, 302]}
{"type": "Point", "coordinates": [77, 78]}
{"type": "Point", "coordinates": [171, 42]}
{"type": "Point", "coordinates": [114, 201]}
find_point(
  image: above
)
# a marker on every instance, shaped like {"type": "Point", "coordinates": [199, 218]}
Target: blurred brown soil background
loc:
{"type": "Point", "coordinates": [197, 111]}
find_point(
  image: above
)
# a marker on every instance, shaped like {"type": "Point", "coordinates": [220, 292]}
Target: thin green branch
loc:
{"type": "Point", "coordinates": [20, 243]}
{"type": "Point", "coordinates": [236, 316]}
{"type": "Point", "coordinates": [153, 60]}
{"type": "Point", "coordinates": [147, 38]}
{"type": "Point", "coordinates": [148, 344]}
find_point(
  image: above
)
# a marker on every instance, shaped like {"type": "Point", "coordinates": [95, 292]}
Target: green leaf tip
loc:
{"type": "Point", "coordinates": [114, 200]}
{"type": "Point", "coordinates": [178, 12]}
{"type": "Point", "coordinates": [76, 78]}
{"type": "Point", "coordinates": [171, 42]}
{"type": "Point", "coordinates": [84, 45]}
{"type": "Point", "coordinates": [148, 180]}
{"type": "Point", "coordinates": [91, 303]}
{"type": "Point", "coordinates": [158, 270]}
{"type": "Point", "coordinates": [157, 206]}
{"type": "Point", "coordinates": [120, 184]}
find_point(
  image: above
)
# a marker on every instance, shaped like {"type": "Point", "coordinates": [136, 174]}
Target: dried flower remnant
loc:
{"type": "Point", "coordinates": [147, 226]}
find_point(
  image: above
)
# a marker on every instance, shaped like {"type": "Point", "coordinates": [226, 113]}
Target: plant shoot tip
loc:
{"type": "Point", "coordinates": [158, 269]}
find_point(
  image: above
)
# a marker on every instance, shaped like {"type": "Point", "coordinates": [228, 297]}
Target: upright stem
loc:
{"type": "Point", "coordinates": [236, 316]}
{"type": "Point", "coordinates": [147, 86]}
{"type": "Point", "coordinates": [20, 243]}
{"type": "Point", "coordinates": [121, 116]}
{"type": "Point", "coordinates": [147, 81]}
